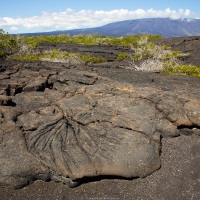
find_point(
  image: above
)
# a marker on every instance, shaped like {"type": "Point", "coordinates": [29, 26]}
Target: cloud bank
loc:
{"type": "Point", "coordinates": [71, 19]}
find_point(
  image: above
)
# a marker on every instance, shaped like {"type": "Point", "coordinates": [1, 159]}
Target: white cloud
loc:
{"type": "Point", "coordinates": [71, 19]}
{"type": "Point", "coordinates": [13, 28]}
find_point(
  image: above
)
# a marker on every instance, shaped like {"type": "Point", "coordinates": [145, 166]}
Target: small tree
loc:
{"type": "Point", "coordinates": [8, 44]}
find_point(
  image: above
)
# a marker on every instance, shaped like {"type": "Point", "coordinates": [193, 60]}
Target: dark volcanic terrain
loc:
{"type": "Point", "coordinates": [109, 132]}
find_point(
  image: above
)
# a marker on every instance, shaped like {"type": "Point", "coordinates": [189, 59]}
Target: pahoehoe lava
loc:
{"type": "Point", "coordinates": [66, 123]}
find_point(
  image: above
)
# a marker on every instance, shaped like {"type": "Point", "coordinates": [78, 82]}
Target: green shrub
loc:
{"type": "Point", "coordinates": [142, 55]}
{"type": "Point", "coordinates": [172, 55]}
{"type": "Point", "coordinates": [87, 59]}
{"type": "Point", "coordinates": [8, 44]}
{"type": "Point", "coordinates": [190, 70]}
{"type": "Point", "coordinates": [152, 37]}
{"type": "Point", "coordinates": [122, 56]}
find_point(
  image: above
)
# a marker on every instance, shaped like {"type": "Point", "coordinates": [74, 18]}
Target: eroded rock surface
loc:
{"type": "Point", "coordinates": [64, 124]}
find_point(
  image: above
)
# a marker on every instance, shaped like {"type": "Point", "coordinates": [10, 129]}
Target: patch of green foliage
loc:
{"type": "Point", "coordinates": [87, 59]}
{"type": "Point", "coordinates": [142, 55]}
{"type": "Point", "coordinates": [144, 50]}
{"type": "Point", "coordinates": [35, 41]}
{"type": "Point", "coordinates": [174, 69]}
{"type": "Point", "coordinates": [122, 56]}
{"type": "Point", "coordinates": [57, 55]}
{"type": "Point", "coordinates": [172, 54]}
{"type": "Point", "coordinates": [8, 44]}
{"type": "Point", "coordinates": [27, 57]}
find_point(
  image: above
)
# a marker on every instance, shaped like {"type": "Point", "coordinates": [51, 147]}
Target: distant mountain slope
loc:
{"type": "Point", "coordinates": [163, 26]}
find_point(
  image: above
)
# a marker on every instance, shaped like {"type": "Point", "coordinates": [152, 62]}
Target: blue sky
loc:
{"type": "Point", "coordinates": [17, 16]}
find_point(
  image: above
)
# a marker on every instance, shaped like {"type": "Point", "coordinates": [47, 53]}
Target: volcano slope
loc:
{"type": "Point", "coordinates": [112, 132]}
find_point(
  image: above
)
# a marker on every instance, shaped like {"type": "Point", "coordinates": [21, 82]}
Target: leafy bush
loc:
{"type": "Point", "coordinates": [142, 54]}
{"type": "Point", "coordinates": [87, 59]}
{"type": "Point", "coordinates": [8, 44]}
{"type": "Point", "coordinates": [173, 68]}
{"type": "Point", "coordinates": [122, 56]}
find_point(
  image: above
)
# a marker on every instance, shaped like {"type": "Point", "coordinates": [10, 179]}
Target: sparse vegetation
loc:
{"type": "Point", "coordinates": [160, 58]}
{"type": "Point", "coordinates": [35, 41]}
{"type": "Point", "coordinates": [8, 44]}
{"type": "Point", "coordinates": [190, 70]}
{"type": "Point", "coordinates": [55, 55]}
{"type": "Point", "coordinates": [122, 56]}
{"type": "Point", "coordinates": [150, 56]}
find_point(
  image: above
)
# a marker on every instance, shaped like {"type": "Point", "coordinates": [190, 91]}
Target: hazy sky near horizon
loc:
{"type": "Point", "coordinates": [19, 16]}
